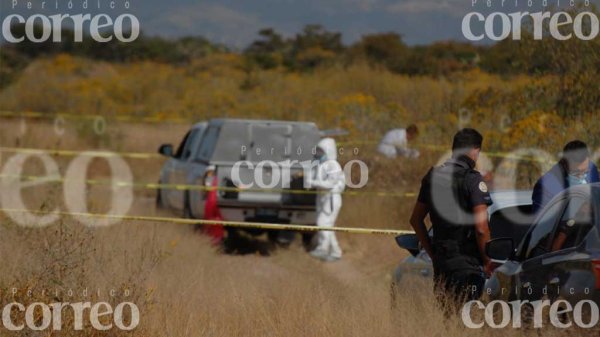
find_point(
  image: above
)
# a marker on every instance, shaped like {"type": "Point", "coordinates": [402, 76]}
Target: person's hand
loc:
{"type": "Point", "coordinates": [414, 154]}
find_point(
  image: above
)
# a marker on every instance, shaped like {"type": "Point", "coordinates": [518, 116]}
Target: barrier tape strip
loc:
{"type": "Point", "coordinates": [185, 187]}
{"type": "Point", "coordinates": [156, 186]}
{"type": "Point", "coordinates": [156, 119]}
{"type": "Point", "coordinates": [149, 155]}
{"type": "Point", "coordinates": [358, 142]}
{"type": "Point", "coordinates": [505, 155]}
{"type": "Point", "coordinates": [120, 118]}
{"type": "Point", "coordinates": [234, 224]}
{"type": "Point", "coordinates": [72, 153]}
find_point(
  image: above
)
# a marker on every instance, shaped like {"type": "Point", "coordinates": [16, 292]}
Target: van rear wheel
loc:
{"type": "Point", "coordinates": [308, 239]}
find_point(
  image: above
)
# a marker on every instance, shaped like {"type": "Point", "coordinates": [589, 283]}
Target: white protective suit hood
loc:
{"type": "Point", "coordinates": [328, 146]}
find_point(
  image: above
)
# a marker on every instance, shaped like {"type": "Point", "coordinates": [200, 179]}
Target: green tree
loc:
{"type": "Point", "coordinates": [313, 47]}
{"type": "Point", "coordinates": [386, 49]}
{"type": "Point", "coordinates": [269, 50]}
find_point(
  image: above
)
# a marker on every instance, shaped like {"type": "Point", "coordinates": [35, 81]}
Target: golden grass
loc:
{"type": "Point", "coordinates": [185, 287]}
{"type": "Point", "coordinates": [363, 100]}
{"type": "Point", "coordinates": [194, 290]}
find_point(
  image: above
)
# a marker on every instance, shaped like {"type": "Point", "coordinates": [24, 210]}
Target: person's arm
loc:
{"type": "Point", "coordinates": [594, 176]}
{"type": "Point", "coordinates": [559, 241]}
{"type": "Point", "coordinates": [417, 222]}
{"type": "Point", "coordinates": [482, 231]}
{"type": "Point", "coordinates": [408, 152]}
{"type": "Point", "coordinates": [329, 176]}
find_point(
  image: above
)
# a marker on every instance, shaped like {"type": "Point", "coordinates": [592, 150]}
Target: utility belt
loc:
{"type": "Point", "coordinates": [458, 252]}
{"type": "Point", "coordinates": [451, 248]}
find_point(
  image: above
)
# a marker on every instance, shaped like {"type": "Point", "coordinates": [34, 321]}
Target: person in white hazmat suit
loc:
{"type": "Point", "coordinates": [328, 178]}
{"type": "Point", "coordinates": [395, 143]}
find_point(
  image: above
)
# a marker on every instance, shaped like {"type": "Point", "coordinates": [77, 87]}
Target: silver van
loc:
{"type": "Point", "coordinates": [254, 163]}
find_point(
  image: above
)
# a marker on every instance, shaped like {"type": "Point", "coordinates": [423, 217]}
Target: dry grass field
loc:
{"type": "Point", "coordinates": [183, 286]}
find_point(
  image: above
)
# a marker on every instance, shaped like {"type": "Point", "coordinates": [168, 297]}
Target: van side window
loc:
{"type": "Point", "coordinates": [179, 152]}
{"type": "Point", "coordinates": [209, 142]}
{"type": "Point", "coordinates": [189, 144]}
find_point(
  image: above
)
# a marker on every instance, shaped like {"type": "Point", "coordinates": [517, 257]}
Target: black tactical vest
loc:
{"type": "Point", "coordinates": [452, 217]}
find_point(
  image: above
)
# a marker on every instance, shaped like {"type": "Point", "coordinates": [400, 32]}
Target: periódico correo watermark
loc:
{"type": "Point", "coordinates": [39, 316]}
{"type": "Point", "coordinates": [268, 174]}
{"type": "Point", "coordinates": [560, 24]}
{"type": "Point", "coordinates": [500, 314]}
{"type": "Point", "coordinates": [102, 27]}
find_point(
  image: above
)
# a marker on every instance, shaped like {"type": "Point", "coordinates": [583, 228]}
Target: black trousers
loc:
{"type": "Point", "coordinates": [455, 288]}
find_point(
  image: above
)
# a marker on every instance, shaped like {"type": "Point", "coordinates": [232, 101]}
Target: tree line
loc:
{"type": "Point", "coordinates": [315, 47]}
{"type": "Point", "coordinates": [576, 63]}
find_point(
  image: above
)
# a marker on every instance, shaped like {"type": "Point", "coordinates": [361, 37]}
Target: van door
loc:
{"type": "Point", "coordinates": [181, 166]}
{"type": "Point", "coordinates": [197, 165]}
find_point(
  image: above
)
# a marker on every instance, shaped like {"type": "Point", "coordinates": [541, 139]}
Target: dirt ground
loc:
{"type": "Point", "coordinates": [183, 285]}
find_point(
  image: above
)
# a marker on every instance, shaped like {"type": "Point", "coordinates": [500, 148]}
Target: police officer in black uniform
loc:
{"type": "Point", "coordinates": [456, 198]}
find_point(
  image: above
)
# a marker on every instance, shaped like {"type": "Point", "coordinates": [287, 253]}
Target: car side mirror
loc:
{"type": "Point", "coordinates": [166, 150]}
{"type": "Point", "coordinates": [500, 249]}
{"type": "Point", "coordinates": [409, 242]}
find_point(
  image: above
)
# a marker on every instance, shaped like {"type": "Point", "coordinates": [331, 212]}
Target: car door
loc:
{"type": "Point", "coordinates": [566, 262]}
{"type": "Point", "coordinates": [506, 281]}
{"type": "Point", "coordinates": [552, 257]}
{"type": "Point", "coordinates": [532, 277]}
{"type": "Point", "coordinates": [511, 222]}
{"type": "Point", "coordinates": [181, 165]}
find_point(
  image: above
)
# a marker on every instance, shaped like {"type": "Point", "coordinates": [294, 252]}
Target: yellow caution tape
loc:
{"type": "Point", "coordinates": [158, 119]}
{"type": "Point", "coordinates": [357, 142]}
{"type": "Point", "coordinates": [505, 155]}
{"type": "Point", "coordinates": [145, 155]}
{"type": "Point", "coordinates": [120, 118]}
{"type": "Point", "coordinates": [236, 224]}
{"type": "Point", "coordinates": [148, 155]}
{"type": "Point", "coordinates": [71, 153]}
{"type": "Point", "coordinates": [185, 187]}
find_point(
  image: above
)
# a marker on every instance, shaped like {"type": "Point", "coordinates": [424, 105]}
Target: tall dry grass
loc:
{"type": "Point", "coordinates": [185, 287]}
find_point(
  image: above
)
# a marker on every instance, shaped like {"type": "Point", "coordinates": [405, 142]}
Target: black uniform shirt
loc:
{"type": "Point", "coordinates": [476, 188]}
{"type": "Point", "coordinates": [454, 243]}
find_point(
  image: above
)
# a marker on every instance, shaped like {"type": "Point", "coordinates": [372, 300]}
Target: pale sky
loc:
{"type": "Point", "coordinates": [236, 22]}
